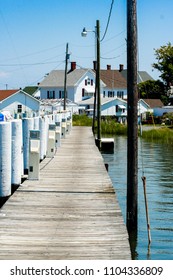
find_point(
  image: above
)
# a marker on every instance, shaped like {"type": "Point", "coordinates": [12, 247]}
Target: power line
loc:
{"type": "Point", "coordinates": [114, 36]}
{"type": "Point", "coordinates": [110, 12]}
{"type": "Point", "coordinates": [28, 64]}
{"type": "Point", "coordinates": [110, 57]}
{"type": "Point", "coordinates": [35, 53]}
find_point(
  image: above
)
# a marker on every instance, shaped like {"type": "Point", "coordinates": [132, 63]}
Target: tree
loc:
{"type": "Point", "coordinates": [164, 56]}
{"type": "Point", "coordinates": [153, 90]}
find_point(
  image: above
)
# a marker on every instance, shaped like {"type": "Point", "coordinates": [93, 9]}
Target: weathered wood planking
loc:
{"type": "Point", "coordinates": [70, 213]}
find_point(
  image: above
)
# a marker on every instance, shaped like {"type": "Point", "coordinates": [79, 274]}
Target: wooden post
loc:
{"type": "Point", "coordinates": [146, 209]}
{"type": "Point", "coordinates": [65, 77]}
{"type": "Point", "coordinates": [132, 117]}
{"type": "Point", "coordinates": [98, 86]}
{"type": "Point", "coordinates": [94, 111]}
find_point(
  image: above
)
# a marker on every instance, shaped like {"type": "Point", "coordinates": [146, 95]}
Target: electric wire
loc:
{"type": "Point", "coordinates": [109, 17]}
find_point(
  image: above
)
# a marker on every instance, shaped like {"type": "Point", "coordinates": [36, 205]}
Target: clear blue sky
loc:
{"type": "Point", "coordinates": [34, 33]}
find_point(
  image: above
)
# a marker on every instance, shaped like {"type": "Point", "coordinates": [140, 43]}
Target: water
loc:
{"type": "Point", "coordinates": [156, 163]}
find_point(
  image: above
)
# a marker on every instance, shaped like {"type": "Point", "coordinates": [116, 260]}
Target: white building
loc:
{"type": "Point", "coordinates": [80, 84]}
{"type": "Point", "coordinates": [19, 102]}
{"type": "Point", "coordinates": [116, 85]}
{"type": "Point", "coordinates": [117, 107]}
{"type": "Point", "coordinates": [109, 107]}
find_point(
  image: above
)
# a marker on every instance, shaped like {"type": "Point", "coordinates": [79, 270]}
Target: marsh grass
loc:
{"type": "Point", "coordinates": [110, 126]}
{"type": "Point", "coordinates": [164, 135]}
{"type": "Point", "coordinates": [113, 127]}
{"type": "Point", "coordinates": [82, 120]}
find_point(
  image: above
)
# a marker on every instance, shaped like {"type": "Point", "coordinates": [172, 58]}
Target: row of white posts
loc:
{"type": "Point", "coordinates": [24, 143]}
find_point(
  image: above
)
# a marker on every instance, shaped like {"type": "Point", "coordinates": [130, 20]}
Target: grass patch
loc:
{"type": "Point", "coordinates": [108, 125]}
{"type": "Point", "coordinates": [164, 135]}
{"type": "Point", "coordinates": [82, 120]}
{"type": "Point", "coordinates": [113, 127]}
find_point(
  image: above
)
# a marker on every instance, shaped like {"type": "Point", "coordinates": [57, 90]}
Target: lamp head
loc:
{"type": "Point", "coordinates": [84, 32]}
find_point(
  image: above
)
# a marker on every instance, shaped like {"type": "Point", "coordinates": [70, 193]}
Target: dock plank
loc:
{"type": "Point", "coordinates": [71, 213]}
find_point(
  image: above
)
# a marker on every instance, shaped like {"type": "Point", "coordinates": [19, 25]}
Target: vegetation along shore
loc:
{"type": "Point", "coordinates": [110, 126]}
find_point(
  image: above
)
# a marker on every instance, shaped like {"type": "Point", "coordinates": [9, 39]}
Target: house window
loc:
{"type": "Point", "coordinates": [91, 82]}
{"type": "Point", "coordinates": [110, 93]}
{"type": "Point", "coordinates": [116, 108]}
{"type": "Point", "coordinates": [50, 94]}
{"type": "Point", "coordinates": [61, 93]}
{"type": "Point", "coordinates": [83, 92]}
{"type": "Point", "coordinates": [19, 109]}
{"type": "Point", "coordinates": [120, 94]}
{"type": "Point", "coordinates": [104, 93]}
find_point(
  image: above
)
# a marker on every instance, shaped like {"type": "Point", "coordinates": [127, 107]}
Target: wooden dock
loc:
{"type": "Point", "coordinates": [71, 213]}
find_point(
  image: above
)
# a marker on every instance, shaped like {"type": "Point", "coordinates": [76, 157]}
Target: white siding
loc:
{"type": "Point", "coordinates": [116, 91]}
{"type": "Point", "coordinates": [29, 105]}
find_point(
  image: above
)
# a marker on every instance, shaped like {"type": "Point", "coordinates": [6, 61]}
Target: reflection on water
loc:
{"type": "Point", "coordinates": [156, 163]}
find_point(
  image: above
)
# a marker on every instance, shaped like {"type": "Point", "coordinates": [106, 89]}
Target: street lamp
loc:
{"type": "Point", "coordinates": [84, 32]}
{"type": "Point", "coordinates": [97, 35]}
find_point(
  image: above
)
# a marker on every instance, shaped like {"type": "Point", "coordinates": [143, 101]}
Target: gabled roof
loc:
{"type": "Point", "coordinates": [113, 79]}
{"type": "Point", "coordinates": [143, 76]}
{"type": "Point", "coordinates": [4, 94]}
{"type": "Point", "coordinates": [56, 78]}
{"type": "Point", "coordinates": [154, 103]}
{"type": "Point", "coordinates": [74, 76]}
{"type": "Point", "coordinates": [7, 93]}
{"type": "Point", "coordinates": [30, 89]}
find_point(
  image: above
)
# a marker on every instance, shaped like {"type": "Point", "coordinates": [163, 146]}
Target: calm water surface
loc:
{"type": "Point", "coordinates": [156, 163]}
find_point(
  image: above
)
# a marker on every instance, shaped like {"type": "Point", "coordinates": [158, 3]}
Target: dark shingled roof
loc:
{"type": "Point", "coordinates": [113, 79]}
{"type": "Point", "coordinates": [30, 89]}
{"type": "Point", "coordinates": [143, 76]}
{"type": "Point", "coordinates": [154, 103]}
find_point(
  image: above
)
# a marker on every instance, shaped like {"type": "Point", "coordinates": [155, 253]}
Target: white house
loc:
{"type": "Point", "coordinates": [117, 107]}
{"type": "Point", "coordinates": [80, 84]}
{"type": "Point", "coordinates": [19, 102]}
{"type": "Point", "coordinates": [109, 107]}
{"type": "Point", "coordinates": [116, 84]}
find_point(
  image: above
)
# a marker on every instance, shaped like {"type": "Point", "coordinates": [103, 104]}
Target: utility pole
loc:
{"type": "Point", "coordinates": [98, 86]}
{"type": "Point", "coordinates": [132, 118]}
{"type": "Point", "coordinates": [65, 76]}
{"type": "Point", "coordinates": [95, 91]}
{"type": "Point", "coordinates": [94, 111]}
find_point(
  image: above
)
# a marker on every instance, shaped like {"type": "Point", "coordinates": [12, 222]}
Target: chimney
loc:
{"type": "Point", "coordinates": [95, 65]}
{"type": "Point", "coordinates": [121, 67]}
{"type": "Point", "coordinates": [73, 66]}
{"type": "Point", "coordinates": [108, 67]}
